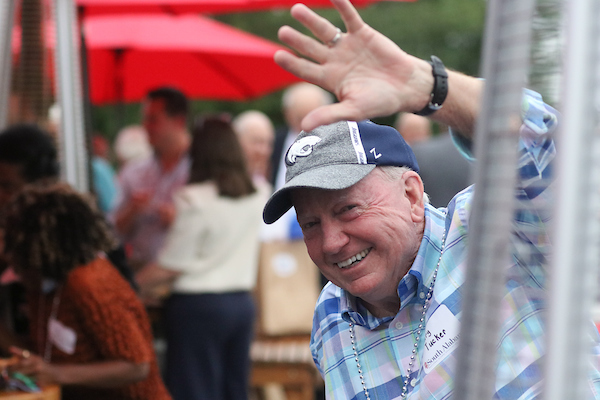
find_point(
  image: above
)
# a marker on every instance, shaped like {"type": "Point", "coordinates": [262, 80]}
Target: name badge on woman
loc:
{"type": "Point", "coordinates": [61, 336]}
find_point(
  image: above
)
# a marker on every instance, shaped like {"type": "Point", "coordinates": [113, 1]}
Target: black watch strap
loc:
{"type": "Point", "coordinates": [440, 87]}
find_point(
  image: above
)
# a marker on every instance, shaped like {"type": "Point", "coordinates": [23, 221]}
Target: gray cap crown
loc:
{"type": "Point", "coordinates": [335, 157]}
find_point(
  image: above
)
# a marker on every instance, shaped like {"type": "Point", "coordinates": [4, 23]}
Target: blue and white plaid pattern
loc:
{"type": "Point", "coordinates": [384, 345]}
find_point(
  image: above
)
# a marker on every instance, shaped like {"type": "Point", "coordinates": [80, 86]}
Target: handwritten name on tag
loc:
{"type": "Point", "coordinates": [61, 336]}
{"type": "Point", "coordinates": [441, 337]}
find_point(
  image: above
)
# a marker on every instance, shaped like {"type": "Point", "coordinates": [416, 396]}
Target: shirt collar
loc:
{"type": "Point", "coordinates": [353, 311]}
{"type": "Point", "coordinates": [419, 276]}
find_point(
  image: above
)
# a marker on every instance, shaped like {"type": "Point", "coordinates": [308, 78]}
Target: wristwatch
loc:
{"type": "Point", "coordinates": [440, 87]}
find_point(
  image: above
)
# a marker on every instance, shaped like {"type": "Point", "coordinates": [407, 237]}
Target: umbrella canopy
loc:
{"type": "Point", "coordinates": [92, 7]}
{"type": "Point", "coordinates": [128, 55]}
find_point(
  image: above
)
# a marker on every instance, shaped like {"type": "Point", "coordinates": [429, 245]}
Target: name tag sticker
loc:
{"type": "Point", "coordinates": [61, 336]}
{"type": "Point", "coordinates": [441, 337]}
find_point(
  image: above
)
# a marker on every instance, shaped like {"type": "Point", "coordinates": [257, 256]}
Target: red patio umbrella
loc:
{"type": "Point", "coordinates": [92, 7]}
{"type": "Point", "coordinates": [128, 55]}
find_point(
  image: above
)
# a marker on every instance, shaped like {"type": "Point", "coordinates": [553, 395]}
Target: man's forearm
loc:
{"type": "Point", "coordinates": [462, 105]}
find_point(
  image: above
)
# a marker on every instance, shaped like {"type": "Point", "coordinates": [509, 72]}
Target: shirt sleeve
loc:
{"type": "Point", "coordinates": [531, 241]}
{"type": "Point", "coordinates": [536, 152]}
{"type": "Point", "coordinates": [539, 121]}
{"type": "Point", "coordinates": [112, 316]}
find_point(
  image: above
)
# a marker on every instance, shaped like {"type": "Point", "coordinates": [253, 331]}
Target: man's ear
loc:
{"type": "Point", "coordinates": [413, 186]}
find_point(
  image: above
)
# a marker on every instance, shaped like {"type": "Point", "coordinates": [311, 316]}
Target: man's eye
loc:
{"type": "Point", "coordinates": [308, 225]}
{"type": "Point", "coordinates": [349, 212]}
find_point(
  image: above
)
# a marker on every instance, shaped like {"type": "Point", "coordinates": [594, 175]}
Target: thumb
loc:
{"type": "Point", "coordinates": [329, 114]}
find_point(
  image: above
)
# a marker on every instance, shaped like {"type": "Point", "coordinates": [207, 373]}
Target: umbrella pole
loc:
{"type": "Point", "coordinates": [87, 105]}
{"type": "Point", "coordinates": [68, 70]}
{"type": "Point", "coordinates": [120, 86]}
{"type": "Point", "coordinates": [7, 18]}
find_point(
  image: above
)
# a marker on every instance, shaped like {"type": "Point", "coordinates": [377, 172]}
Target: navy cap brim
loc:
{"type": "Point", "coordinates": [328, 177]}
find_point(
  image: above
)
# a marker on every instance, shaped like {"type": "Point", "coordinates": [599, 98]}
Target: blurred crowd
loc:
{"type": "Point", "coordinates": [173, 223]}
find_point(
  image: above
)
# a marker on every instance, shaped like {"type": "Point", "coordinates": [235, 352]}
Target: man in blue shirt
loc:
{"type": "Point", "coordinates": [387, 326]}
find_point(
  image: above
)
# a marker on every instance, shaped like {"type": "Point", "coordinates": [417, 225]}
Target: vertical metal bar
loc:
{"type": "Point", "coordinates": [575, 263]}
{"type": "Point", "coordinates": [7, 18]}
{"type": "Point", "coordinates": [68, 70]}
{"type": "Point", "coordinates": [87, 104]}
{"type": "Point", "coordinates": [505, 65]}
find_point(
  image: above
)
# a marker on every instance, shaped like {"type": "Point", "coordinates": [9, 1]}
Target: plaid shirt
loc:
{"type": "Point", "coordinates": [384, 345]}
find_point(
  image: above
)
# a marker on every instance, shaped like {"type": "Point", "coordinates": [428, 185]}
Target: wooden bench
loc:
{"type": "Point", "coordinates": [285, 361]}
{"type": "Point", "coordinates": [287, 289]}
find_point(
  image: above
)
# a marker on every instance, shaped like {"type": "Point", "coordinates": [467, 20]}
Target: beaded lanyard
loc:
{"type": "Point", "coordinates": [409, 370]}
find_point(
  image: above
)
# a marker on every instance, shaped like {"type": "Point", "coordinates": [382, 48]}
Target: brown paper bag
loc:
{"type": "Point", "coordinates": [288, 288]}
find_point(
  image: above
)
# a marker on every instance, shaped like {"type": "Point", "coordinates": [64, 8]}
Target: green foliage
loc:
{"type": "Point", "coordinates": [450, 29]}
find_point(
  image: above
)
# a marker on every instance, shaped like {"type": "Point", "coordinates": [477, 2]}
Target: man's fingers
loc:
{"type": "Point", "coordinates": [349, 15]}
{"type": "Point", "coordinates": [303, 44]}
{"type": "Point", "coordinates": [320, 27]}
{"type": "Point", "coordinates": [302, 68]}
{"type": "Point", "coordinates": [329, 114]}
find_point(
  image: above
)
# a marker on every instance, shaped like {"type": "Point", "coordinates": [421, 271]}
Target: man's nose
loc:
{"type": "Point", "coordinates": [334, 237]}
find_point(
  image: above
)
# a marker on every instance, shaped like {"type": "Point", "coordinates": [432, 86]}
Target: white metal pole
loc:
{"type": "Point", "coordinates": [68, 73]}
{"type": "Point", "coordinates": [575, 263]}
{"type": "Point", "coordinates": [505, 66]}
{"type": "Point", "coordinates": [7, 17]}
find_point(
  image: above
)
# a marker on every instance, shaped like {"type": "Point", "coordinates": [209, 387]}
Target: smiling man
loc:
{"type": "Point", "coordinates": [387, 324]}
{"type": "Point", "coordinates": [144, 208]}
{"type": "Point", "coordinates": [326, 215]}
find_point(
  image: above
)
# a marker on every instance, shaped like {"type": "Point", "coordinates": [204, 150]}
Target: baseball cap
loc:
{"type": "Point", "coordinates": [336, 157]}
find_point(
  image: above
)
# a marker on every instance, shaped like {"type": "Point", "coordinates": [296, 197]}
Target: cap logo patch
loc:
{"type": "Point", "coordinates": [301, 148]}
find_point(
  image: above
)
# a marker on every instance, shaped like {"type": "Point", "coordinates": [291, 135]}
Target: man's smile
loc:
{"type": "Point", "coordinates": [354, 259]}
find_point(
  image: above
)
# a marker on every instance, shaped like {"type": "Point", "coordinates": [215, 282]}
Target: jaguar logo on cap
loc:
{"type": "Point", "coordinates": [301, 148]}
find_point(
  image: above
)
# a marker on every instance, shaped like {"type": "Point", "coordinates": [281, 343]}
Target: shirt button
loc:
{"type": "Point", "coordinates": [422, 295]}
{"type": "Point", "coordinates": [413, 383]}
{"type": "Point", "coordinates": [399, 325]}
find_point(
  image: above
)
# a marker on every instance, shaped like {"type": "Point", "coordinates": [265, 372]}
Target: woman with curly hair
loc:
{"type": "Point", "coordinates": [89, 331]}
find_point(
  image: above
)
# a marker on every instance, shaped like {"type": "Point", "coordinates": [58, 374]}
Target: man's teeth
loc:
{"type": "Point", "coordinates": [353, 259]}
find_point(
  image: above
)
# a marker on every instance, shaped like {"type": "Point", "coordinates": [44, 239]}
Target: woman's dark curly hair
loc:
{"type": "Point", "coordinates": [50, 230]}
